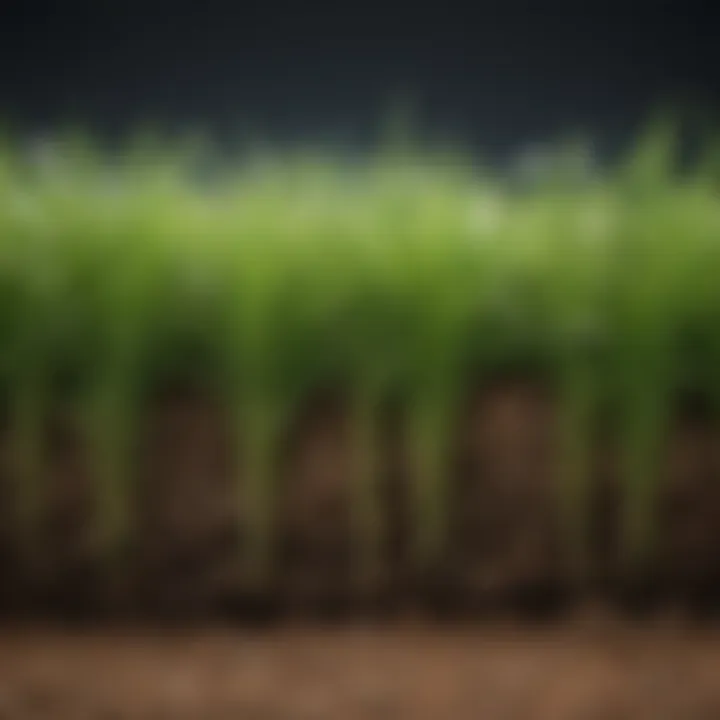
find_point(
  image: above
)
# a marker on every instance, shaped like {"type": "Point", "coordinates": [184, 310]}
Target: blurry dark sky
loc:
{"type": "Point", "coordinates": [499, 75]}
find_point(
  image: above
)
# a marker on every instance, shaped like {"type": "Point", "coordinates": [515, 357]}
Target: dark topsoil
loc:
{"type": "Point", "coordinates": [505, 549]}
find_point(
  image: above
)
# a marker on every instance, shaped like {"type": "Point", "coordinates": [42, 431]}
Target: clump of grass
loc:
{"type": "Point", "coordinates": [264, 356]}
{"type": "Point", "coordinates": [574, 282]}
{"type": "Point", "coordinates": [443, 298]}
{"type": "Point", "coordinates": [31, 281]}
{"type": "Point", "coordinates": [653, 257]}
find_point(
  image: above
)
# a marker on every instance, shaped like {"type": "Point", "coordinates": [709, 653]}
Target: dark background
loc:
{"type": "Point", "coordinates": [497, 75]}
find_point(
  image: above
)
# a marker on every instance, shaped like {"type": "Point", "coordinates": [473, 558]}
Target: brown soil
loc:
{"type": "Point", "coordinates": [506, 537]}
{"type": "Point", "coordinates": [605, 673]}
{"type": "Point", "coordinates": [505, 548]}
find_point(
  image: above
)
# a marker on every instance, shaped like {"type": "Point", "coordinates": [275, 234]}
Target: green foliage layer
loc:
{"type": "Point", "coordinates": [408, 277]}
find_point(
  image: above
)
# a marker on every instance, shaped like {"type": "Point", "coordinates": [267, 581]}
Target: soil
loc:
{"type": "Point", "coordinates": [505, 550]}
{"type": "Point", "coordinates": [586, 672]}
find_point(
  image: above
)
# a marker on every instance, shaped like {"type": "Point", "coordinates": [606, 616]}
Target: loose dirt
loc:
{"type": "Point", "coordinates": [589, 672]}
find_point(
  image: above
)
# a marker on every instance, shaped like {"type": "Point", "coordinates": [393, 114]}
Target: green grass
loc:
{"type": "Point", "coordinates": [407, 277]}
